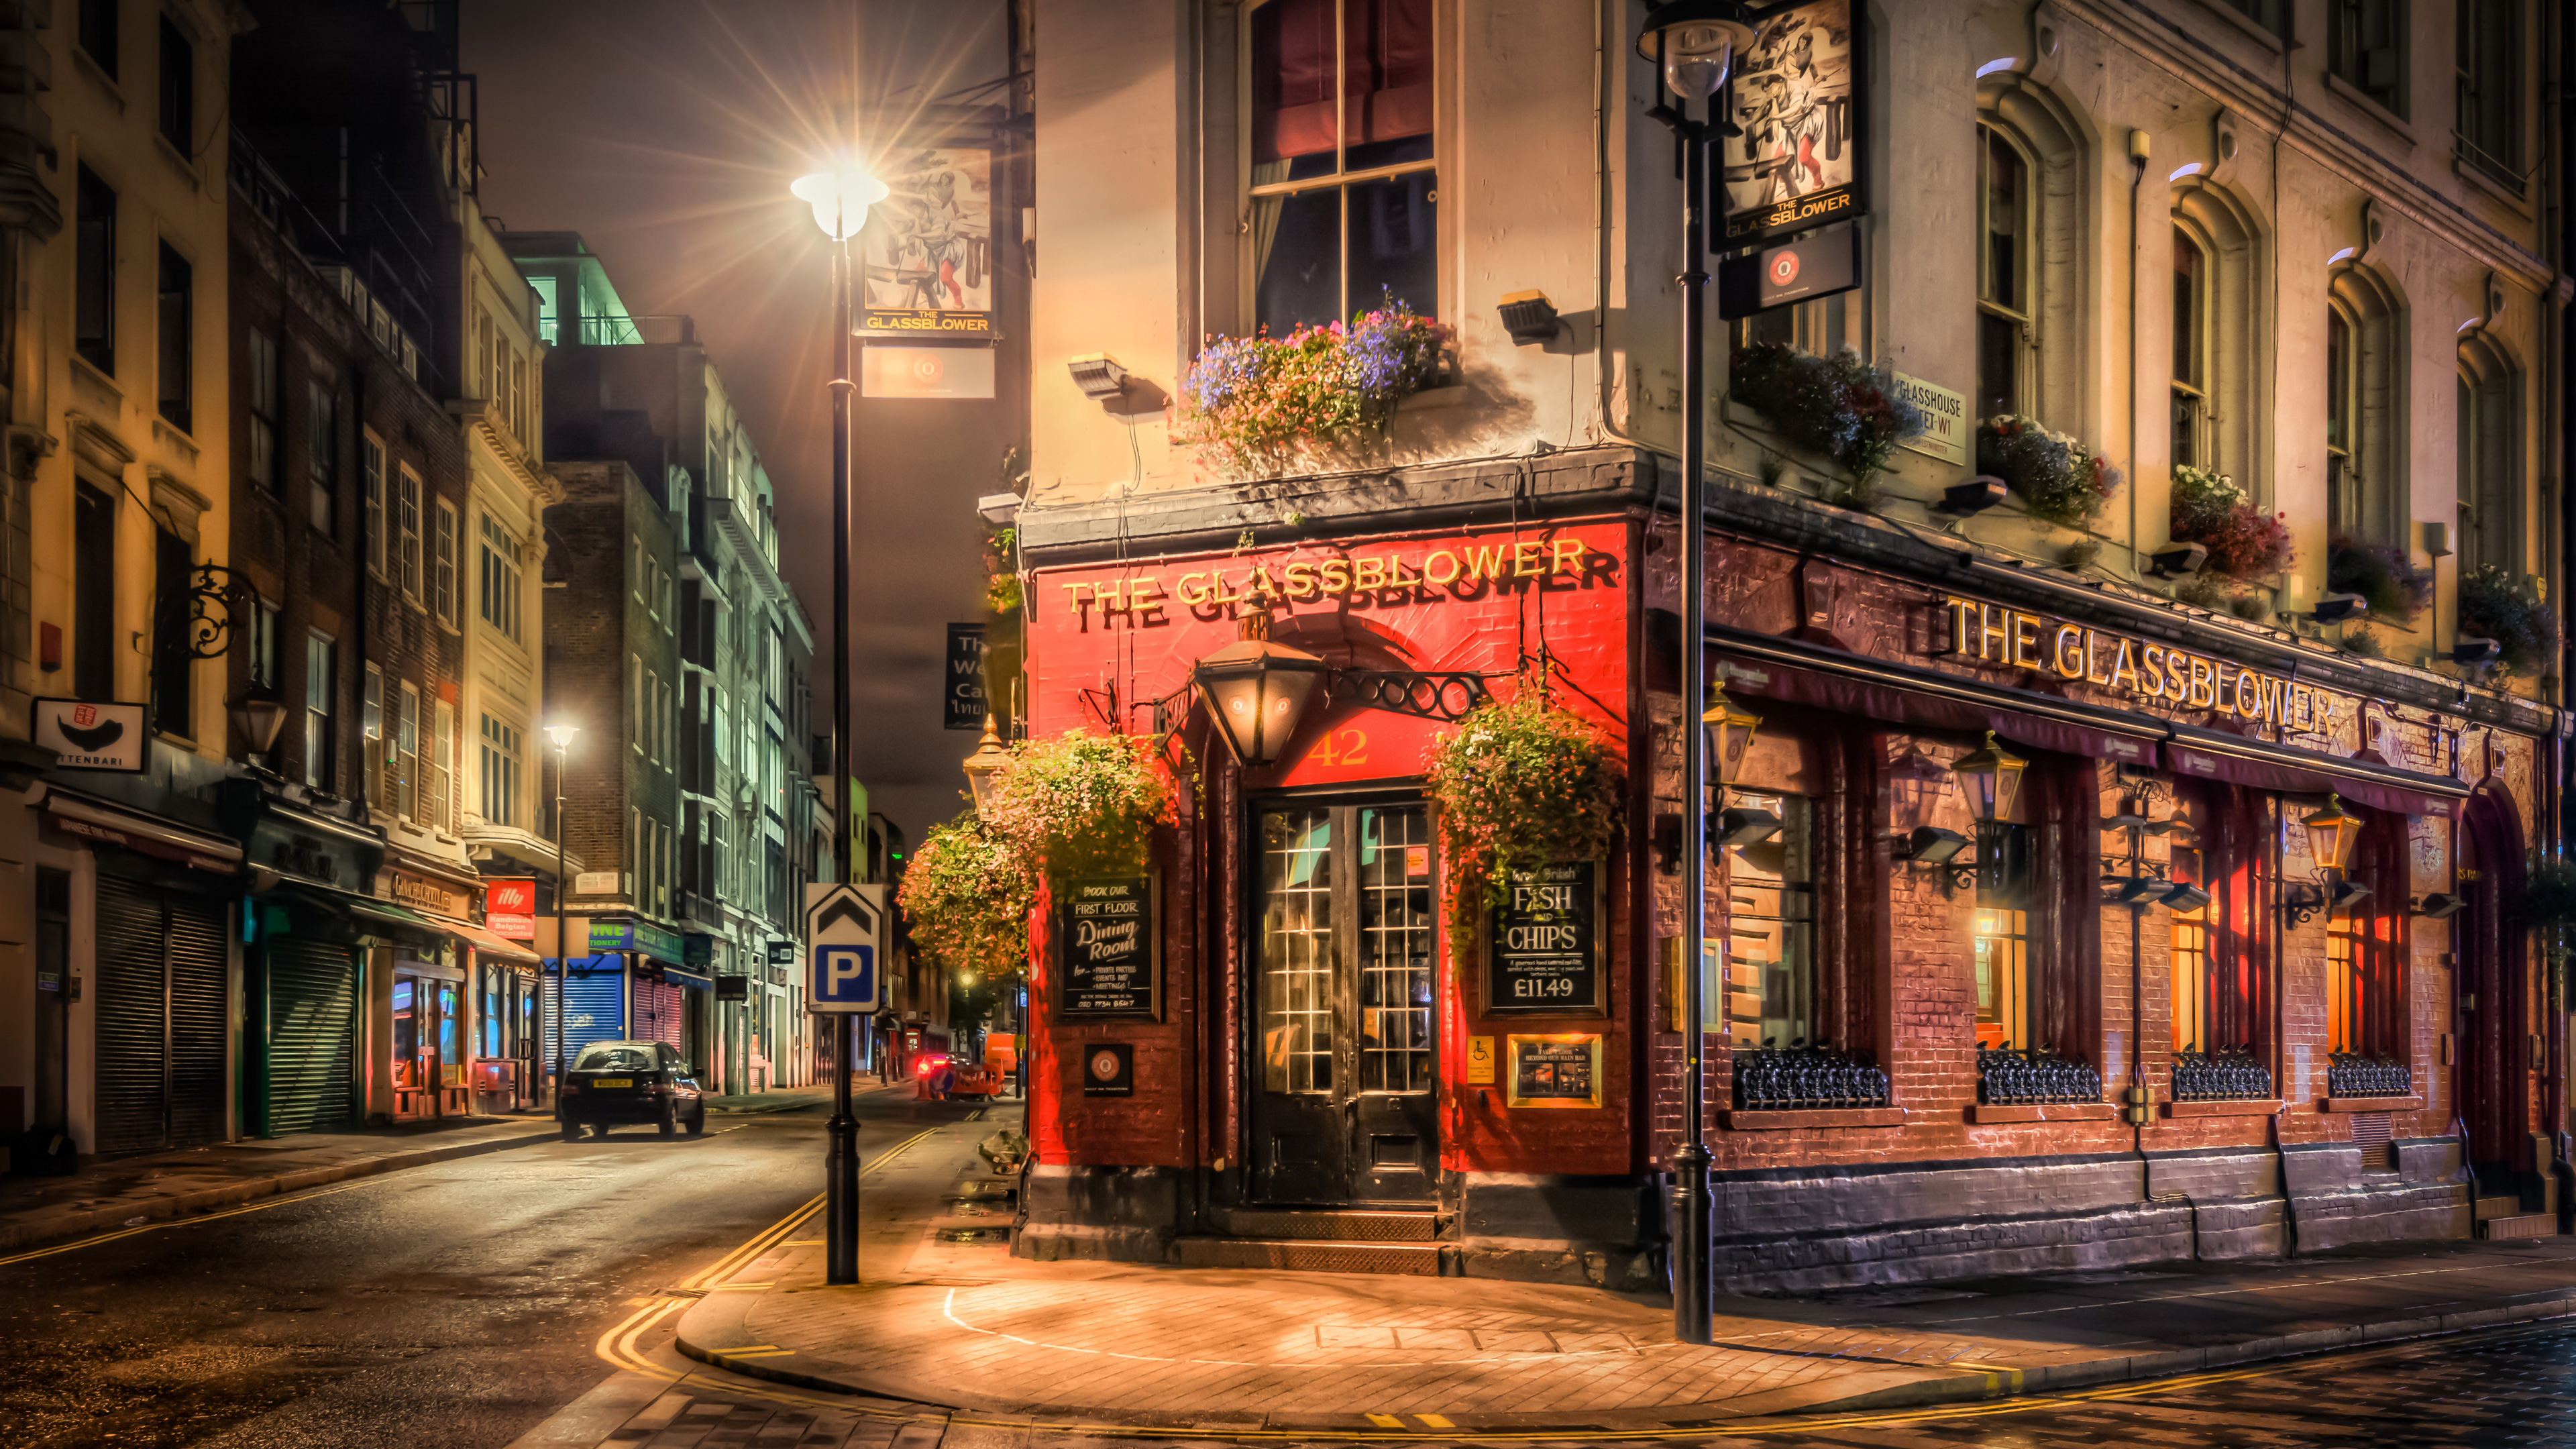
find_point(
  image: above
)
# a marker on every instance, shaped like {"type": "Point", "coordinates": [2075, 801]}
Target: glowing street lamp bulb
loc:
{"type": "Point", "coordinates": [840, 199]}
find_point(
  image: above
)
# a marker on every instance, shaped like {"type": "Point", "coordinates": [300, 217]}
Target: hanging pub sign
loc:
{"type": "Point", "coordinates": [1818, 264]}
{"type": "Point", "coordinates": [1562, 1070]}
{"type": "Point", "coordinates": [1109, 947]}
{"type": "Point", "coordinates": [1544, 945]}
{"type": "Point", "coordinates": [1797, 95]}
{"type": "Point", "coordinates": [928, 247]}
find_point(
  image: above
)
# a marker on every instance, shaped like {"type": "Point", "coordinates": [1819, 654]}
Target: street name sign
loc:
{"type": "Point", "coordinates": [844, 936]}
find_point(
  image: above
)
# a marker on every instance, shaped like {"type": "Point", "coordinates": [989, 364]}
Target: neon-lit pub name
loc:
{"type": "Point", "coordinates": [1992, 634]}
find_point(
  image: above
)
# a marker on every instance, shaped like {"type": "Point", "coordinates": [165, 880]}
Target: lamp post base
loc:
{"type": "Point", "coordinates": [1693, 1218]}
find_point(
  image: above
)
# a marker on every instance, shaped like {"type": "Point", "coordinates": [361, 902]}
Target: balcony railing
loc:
{"type": "Point", "coordinates": [623, 331]}
{"type": "Point", "coordinates": [1806, 1079]}
{"type": "Point", "coordinates": [2226, 1074]}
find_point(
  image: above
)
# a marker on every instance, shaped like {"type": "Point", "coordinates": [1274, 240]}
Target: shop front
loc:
{"type": "Point", "coordinates": [305, 958]}
{"type": "Point", "coordinates": [659, 995]}
{"type": "Point", "coordinates": [2050, 925]}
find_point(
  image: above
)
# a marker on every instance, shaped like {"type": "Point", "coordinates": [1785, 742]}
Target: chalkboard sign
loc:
{"type": "Point", "coordinates": [1109, 946]}
{"type": "Point", "coordinates": [1555, 1071]}
{"type": "Point", "coordinates": [1543, 946]}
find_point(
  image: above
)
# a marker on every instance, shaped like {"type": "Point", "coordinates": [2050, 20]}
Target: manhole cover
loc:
{"type": "Point", "coordinates": [974, 1235]}
{"type": "Point", "coordinates": [967, 1207]}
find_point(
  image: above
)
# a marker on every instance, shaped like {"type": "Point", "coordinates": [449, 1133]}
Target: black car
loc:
{"type": "Point", "coordinates": [631, 1081]}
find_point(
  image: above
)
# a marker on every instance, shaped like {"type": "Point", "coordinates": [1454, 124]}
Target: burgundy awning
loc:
{"type": "Point", "coordinates": [2209, 755]}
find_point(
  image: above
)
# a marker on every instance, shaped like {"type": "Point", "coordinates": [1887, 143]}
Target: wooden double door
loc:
{"type": "Point", "coordinates": [1343, 928]}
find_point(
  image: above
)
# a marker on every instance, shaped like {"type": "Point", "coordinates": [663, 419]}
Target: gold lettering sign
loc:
{"type": "Point", "coordinates": [1993, 634]}
{"type": "Point", "coordinates": [1462, 568]}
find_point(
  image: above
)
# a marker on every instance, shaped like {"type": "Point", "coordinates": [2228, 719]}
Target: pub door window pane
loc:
{"type": "Point", "coordinates": [1771, 929]}
{"type": "Point", "coordinates": [93, 594]}
{"type": "Point", "coordinates": [1297, 939]}
{"type": "Point", "coordinates": [178, 115]}
{"type": "Point", "coordinates": [1325, 247]}
{"type": "Point", "coordinates": [176, 318]}
{"type": "Point", "coordinates": [319, 736]}
{"type": "Point", "coordinates": [173, 662]}
{"type": "Point", "coordinates": [94, 272]}
{"type": "Point", "coordinates": [1396, 923]}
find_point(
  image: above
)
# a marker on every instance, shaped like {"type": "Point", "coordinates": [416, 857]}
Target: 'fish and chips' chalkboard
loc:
{"type": "Point", "coordinates": [1543, 945]}
{"type": "Point", "coordinates": [1109, 947]}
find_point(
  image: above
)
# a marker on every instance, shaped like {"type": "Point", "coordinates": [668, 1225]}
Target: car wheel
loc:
{"type": "Point", "coordinates": [698, 1123]}
{"type": "Point", "coordinates": [571, 1130]}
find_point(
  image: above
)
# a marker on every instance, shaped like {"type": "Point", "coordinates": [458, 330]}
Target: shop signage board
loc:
{"type": "Point", "coordinates": [844, 934]}
{"type": "Point", "coordinates": [2153, 673]}
{"type": "Point", "coordinates": [892, 370]}
{"type": "Point", "coordinates": [1797, 163]}
{"type": "Point", "coordinates": [1401, 573]}
{"type": "Point", "coordinates": [733, 988]}
{"type": "Point", "coordinates": [1544, 946]}
{"type": "Point", "coordinates": [1561, 1070]}
{"type": "Point", "coordinates": [965, 678]}
{"type": "Point", "coordinates": [642, 936]}
{"type": "Point", "coordinates": [782, 953]}
{"type": "Point", "coordinates": [87, 735]}
{"type": "Point", "coordinates": [510, 907]}
{"type": "Point", "coordinates": [1109, 947]}
{"type": "Point", "coordinates": [1108, 1069]}
{"type": "Point", "coordinates": [1818, 264]}
{"type": "Point", "coordinates": [1948, 432]}
{"type": "Point", "coordinates": [927, 250]}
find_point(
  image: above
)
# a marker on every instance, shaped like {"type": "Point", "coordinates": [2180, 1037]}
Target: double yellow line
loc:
{"type": "Point", "coordinates": [621, 1345]}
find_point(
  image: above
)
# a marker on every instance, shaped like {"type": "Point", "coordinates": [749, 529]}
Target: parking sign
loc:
{"type": "Point", "coordinates": [844, 931]}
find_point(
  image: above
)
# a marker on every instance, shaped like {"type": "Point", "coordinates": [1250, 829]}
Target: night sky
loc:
{"type": "Point", "coordinates": [666, 133]}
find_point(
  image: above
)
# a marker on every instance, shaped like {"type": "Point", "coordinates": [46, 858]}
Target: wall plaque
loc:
{"type": "Point", "coordinates": [1109, 947]}
{"type": "Point", "coordinates": [1108, 1068]}
{"type": "Point", "coordinates": [1563, 1070]}
{"type": "Point", "coordinates": [1544, 945]}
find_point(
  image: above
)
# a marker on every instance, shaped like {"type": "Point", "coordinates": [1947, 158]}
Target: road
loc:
{"type": "Point", "coordinates": [454, 1305]}
{"type": "Point", "coordinates": [524, 1297]}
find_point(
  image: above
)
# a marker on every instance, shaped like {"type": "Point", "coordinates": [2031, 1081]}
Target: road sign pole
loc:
{"type": "Point", "coordinates": [841, 1159]}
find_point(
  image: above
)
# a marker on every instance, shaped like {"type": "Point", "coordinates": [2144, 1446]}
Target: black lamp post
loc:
{"type": "Point", "coordinates": [1693, 45]}
{"type": "Point", "coordinates": [560, 736]}
{"type": "Point", "coordinates": [841, 200]}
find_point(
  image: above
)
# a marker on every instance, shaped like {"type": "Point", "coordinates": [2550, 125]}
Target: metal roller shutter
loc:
{"type": "Point", "coordinates": [312, 1035]}
{"type": "Point", "coordinates": [660, 1014]}
{"type": "Point", "coordinates": [162, 1019]}
{"type": "Point", "coordinates": [597, 1009]}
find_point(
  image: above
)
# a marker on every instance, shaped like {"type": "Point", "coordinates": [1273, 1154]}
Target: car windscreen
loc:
{"type": "Point", "coordinates": [616, 1059]}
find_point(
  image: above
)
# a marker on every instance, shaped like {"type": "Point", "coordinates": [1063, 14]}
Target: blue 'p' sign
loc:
{"type": "Point", "coordinates": [844, 979]}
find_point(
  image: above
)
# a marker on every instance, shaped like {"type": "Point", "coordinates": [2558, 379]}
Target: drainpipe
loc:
{"type": "Point", "coordinates": [2554, 196]}
{"type": "Point", "coordinates": [2137, 178]}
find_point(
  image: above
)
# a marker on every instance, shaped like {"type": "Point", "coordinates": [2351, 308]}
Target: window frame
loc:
{"type": "Point", "coordinates": [2346, 54]}
{"type": "Point", "coordinates": [408, 561]}
{"type": "Point", "coordinates": [372, 464]}
{"type": "Point", "coordinates": [175, 89]}
{"type": "Point", "coordinates": [2024, 314]}
{"type": "Point", "coordinates": [99, 33]}
{"type": "Point", "coordinates": [405, 753]}
{"type": "Point", "coordinates": [443, 581]}
{"type": "Point", "coordinates": [321, 701]}
{"type": "Point", "coordinates": [95, 204]}
{"type": "Point", "coordinates": [2192, 424]}
{"type": "Point", "coordinates": [174, 352]}
{"type": "Point", "coordinates": [2470, 141]}
{"type": "Point", "coordinates": [260, 362]}
{"type": "Point", "coordinates": [322, 455]}
{"type": "Point", "coordinates": [502, 579]}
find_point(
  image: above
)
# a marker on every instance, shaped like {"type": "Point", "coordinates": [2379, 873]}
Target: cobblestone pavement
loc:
{"type": "Point", "coordinates": [2512, 1388]}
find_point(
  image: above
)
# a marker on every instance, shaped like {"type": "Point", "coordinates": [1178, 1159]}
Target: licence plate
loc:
{"type": "Point", "coordinates": [614, 1082]}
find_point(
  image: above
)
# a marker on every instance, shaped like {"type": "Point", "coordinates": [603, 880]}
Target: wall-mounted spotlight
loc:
{"type": "Point", "coordinates": [1964, 500]}
{"type": "Point", "coordinates": [2186, 897]}
{"type": "Point", "coordinates": [2177, 560]}
{"type": "Point", "coordinates": [1098, 375]}
{"type": "Point", "coordinates": [1001, 510]}
{"type": "Point", "coordinates": [2476, 652]}
{"type": "Point", "coordinates": [2335, 608]}
{"type": "Point", "coordinates": [2441, 906]}
{"type": "Point", "coordinates": [1930, 845]}
{"type": "Point", "coordinates": [1744, 825]}
{"type": "Point", "coordinates": [2346, 893]}
{"type": "Point", "coordinates": [1530, 317]}
{"type": "Point", "coordinates": [2134, 890]}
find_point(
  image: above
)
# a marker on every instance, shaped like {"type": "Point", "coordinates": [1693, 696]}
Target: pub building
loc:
{"type": "Point", "coordinates": [2074, 902]}
{"type": "Point", "coordinates": [2051, 924]}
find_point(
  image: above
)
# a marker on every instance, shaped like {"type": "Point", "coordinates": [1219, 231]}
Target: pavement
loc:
{"type": "Point", "coordinates": [1005, 1343]}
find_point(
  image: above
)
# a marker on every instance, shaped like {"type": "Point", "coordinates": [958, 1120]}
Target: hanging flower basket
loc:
{"type": "Point", "coordinates": [967, 894]}
{"type": "Point", "coordinates": [2243, 541]}
{"type": "Point", "coordinates": [2059, 479]}
{"type": "Point", "coordinates": [2385, 576]}
{"type": "Point", "coordinates": [1838, 407]}
{"type": "Point", "coordinates": [2498, 605]}
{"type": "Point", "coordinates": [1263, 404]}
{"type": "Point", "coordinates": [1082, 803]}
{"type": "Point", "coordinates": [1521, 783]}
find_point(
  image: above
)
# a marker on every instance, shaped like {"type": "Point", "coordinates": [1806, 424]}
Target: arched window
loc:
{"type": "Point", "coordinates": [2492, 509]}
{"type": "Point", "coordinates": [1342, 189]}
{"type": "Point", "coordinates": [2190, 350]}
{"type": "Point", "coordinates": [2218, 305]}
{"type": "Point", "coordinates": [2007, 321]}
{"type": "Point", "coordinates": [2365, 399]}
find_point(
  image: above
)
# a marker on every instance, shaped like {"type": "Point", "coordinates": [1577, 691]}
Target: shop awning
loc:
{"type": "Point", "coordinates": [142, 833]}
{"type": "Point", "coordinates": [487, 945]}
{"type": "Point", "coordinates": [1846, 683]}
{"type": "Point", "coordinates": [374, 914]}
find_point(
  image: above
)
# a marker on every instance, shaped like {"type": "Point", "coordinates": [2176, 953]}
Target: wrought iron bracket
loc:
{"type": "Point", "coordinates": [208, 622]}
{"type": "Point", "coordinates": [2301, 904]}
{"type": "Point", "coordinates": [1444, 695]}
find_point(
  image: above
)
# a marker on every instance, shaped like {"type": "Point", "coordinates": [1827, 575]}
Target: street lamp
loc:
{"type": "Point", "coordinates": [1257, 689]}
{"type": "Point", "coordinates": [1693, 44]}
{"type": "Point", "coordinates": [560, 736]}
{"type": "Point", "coordinates": [1994, 776]}
{"type": "Point", "coordinates": [984, 767]}
{"type": "Point", "coordinates": [841, 198]}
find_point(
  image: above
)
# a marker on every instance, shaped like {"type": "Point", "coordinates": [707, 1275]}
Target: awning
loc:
{"type": "Point", "coordinates": [695, 979]}
{"type": "Point", "coordinates": [144, 834]}
{"type": "Point", "coordinates": [374, 914]}
{"type": "Point", "coordinates": [1844, 683]}
{"type": "Point", "coordinates": [486, 944]}
{"type": "Point", "coordinates": [1853, 684]}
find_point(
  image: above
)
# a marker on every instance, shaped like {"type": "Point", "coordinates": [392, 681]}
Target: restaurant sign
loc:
{"type": "Point", "coordinates": [2154, 673]}
{"type": "Point", "coordinates": [1107, 940]}
{"type": "Point", "coordinates": [1544, 950]}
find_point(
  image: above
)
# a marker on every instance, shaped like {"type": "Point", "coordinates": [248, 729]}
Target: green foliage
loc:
{"type": "Point", "coordinates": [966, 896]}
{"type": "Point", "coordinates": [2498, 605]}
{"type": "Point", "coordinates": [1082, 804]}
{"type": "Point", "coordinates": [1521, 783]}
{"type": "Point", "coordinates": [2395, 589]}
{"type": "Point", "coordinates": [1838, 407]}
{"type": "Point", "coordinates": [1261, 404]}
{"type": "Point", "coordinates": [1001, 570]}
{"type": "Point", "coordinates": [2058, 479]}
